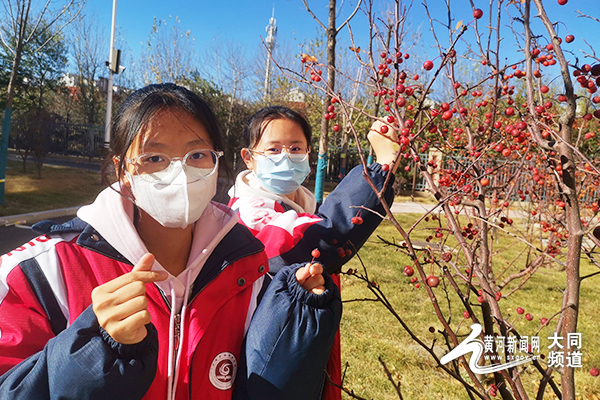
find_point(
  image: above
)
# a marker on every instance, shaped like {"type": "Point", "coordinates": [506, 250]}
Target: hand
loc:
{"type": "Point", "coordinates": [310, 277]}
{"type": "Point", "coordinates": [121, 305]}
{"type": "Point", "coordinates": [384, 144]}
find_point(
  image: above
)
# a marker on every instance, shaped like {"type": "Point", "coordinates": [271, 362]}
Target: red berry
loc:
{"type": "Point", "coordinates": [384, 129]}
{"type": "Point", "coordinates": [563, 2]}
{"type": "Point", "coordinates": [520, 310]}
{"type": "Point", "coordinates": [510, 111]}
{"type": "Point", "coordinates": [484, 181]}
{"type": "Point", "coordinates": [480, 299]}
{"type": "Point", "coordinates": [428, 65]}
{"type": "Point", "coordinates": [385, 167]}
{"type": "Point", "coordinates": [477, 13]}
{"type": "Point", "coordinates": [569, 38]}
{"type": "Point", "coordinates": [544, 89]}
{"type": "Point", "coordinates": [336, 128]}
{"type": "Point", "coordinates": [417, 285]}
{"type": "Point", "coordinates": [408, 270]}
{"type": "Point", "coordinates": [594, 371]}
{"type": "Point", "coordinates": [356, 220]}
{"type": "Point", "coordinates": [433, 281]}
{"type": "Point", "coordinates": [390, 119]}
{"type": "Point", "coordinates": [315, 253]}
{"type": "Point", "coordinates": [543, 321]}
{"type": "Point", "coordinates": [466, 314]}
{"type": "Point", "coordinates": [528, 317]}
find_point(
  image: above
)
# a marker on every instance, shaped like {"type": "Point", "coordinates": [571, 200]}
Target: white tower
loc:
{"type": "Point", "coordinates": [270, 41]}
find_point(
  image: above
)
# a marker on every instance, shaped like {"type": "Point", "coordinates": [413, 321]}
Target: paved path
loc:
{"type": "Point", "coordinates": [411, 208]}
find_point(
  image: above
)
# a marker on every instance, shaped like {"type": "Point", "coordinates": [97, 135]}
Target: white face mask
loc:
{"type": "Point", "coordinates": [173, 198]}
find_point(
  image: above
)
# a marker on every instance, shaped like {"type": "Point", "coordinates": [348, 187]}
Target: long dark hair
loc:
{"type": "Point", "coordinates": [257, 123]}
{"type": "Point", "coordinates": [139, 108]}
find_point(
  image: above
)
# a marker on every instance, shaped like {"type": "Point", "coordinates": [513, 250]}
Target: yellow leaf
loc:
{"type": "Point", "coordinates": [458, 25]}
{"type": "Point", "coordinates": [309, 58]}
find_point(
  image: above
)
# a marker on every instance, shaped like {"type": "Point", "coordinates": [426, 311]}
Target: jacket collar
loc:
{"type": "Point", "coordinates": [235, 245]}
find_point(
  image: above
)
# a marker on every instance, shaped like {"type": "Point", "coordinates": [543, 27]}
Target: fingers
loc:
{"type": "Point", "coordinates": [121, 306]}
{"type": "Point", "coordinates": [310, 277]}
{"type": "Point", "coordinates": [145, 263]}
{"type": "Point", "coordinates": [142, 272]}
{"type": "Point", "coordinates": [130, 330]}
{"type": "Point", "coordinates": [383, 140]}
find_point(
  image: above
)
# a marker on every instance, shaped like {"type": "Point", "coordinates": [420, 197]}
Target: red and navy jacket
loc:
{"type": "Point", "coordinates": [52, 347]}
{"type": "Point", "coordinates": [290, 232]}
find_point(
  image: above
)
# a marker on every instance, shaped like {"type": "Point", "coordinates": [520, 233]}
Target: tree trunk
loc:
{"type": "Point", "coordinates": [322, 161]}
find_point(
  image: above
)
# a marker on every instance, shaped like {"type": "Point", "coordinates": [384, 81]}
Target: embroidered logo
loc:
{"type": "Point", "coordinates": [223, 370]}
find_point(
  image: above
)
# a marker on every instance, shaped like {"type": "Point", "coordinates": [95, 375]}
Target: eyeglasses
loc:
{"type": "Point", "coordinates": [198, 163]}
{"type": "Point", "coordinates": [275, 153]}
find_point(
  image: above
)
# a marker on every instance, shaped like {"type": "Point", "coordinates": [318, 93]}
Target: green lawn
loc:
{"type": "Point", "coordinates": [369, 331]}
{"type": "Point", "coordinates": [59, 188]}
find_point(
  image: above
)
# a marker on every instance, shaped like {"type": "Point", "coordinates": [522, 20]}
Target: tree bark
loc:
{"type": "Point", "coordinates": [322, 161]}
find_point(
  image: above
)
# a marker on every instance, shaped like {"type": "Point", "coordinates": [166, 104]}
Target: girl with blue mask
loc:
{"type": "Point", "coordinates": [270, 200]}
{"type": "Point", "coordinates": [282, 169]}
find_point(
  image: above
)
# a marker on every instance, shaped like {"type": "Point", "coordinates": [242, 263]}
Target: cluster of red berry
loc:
{"type": "Point", "coordinates": [383, 68]}
{"type": "Point", "coordinates": [357, 219]}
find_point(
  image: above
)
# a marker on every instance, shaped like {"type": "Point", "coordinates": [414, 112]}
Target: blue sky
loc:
{"type": "Point", "coordinates": [244, 22]}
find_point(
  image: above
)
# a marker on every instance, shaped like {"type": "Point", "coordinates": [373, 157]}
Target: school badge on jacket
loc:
{"type": "Point", "coordinates": [223, 370]}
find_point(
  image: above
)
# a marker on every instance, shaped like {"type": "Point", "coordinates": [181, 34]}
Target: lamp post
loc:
{"type": "Point", "coordinates": [113, 65]}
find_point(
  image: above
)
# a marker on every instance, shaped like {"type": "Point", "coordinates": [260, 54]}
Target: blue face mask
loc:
{"type": "Point", "coordinates": [282, 177]}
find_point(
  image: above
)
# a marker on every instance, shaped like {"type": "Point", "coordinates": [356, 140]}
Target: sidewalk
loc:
{"type": "Point", "coordinates": [411, 208]}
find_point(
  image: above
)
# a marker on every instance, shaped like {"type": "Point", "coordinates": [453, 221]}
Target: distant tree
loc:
{"type": "Point", "coordinates": [231, 114]}
{"type": "Point", "coordinates": [45, 67]}
{"type": "Point", "coordinates": [169, 53]}
{"type": "Point", "coordinates": [40, 71]}
{"type": "Point", "coordinates": [22, 25]}
{"type": "Point", "coordinates": [88, 49]}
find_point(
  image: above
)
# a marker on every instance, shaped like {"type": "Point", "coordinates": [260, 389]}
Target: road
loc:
{"type": "Point", "coordinates": [13, 236]}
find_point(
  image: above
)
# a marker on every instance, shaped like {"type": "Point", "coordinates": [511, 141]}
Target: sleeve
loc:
{"type": "Point", "coordinates": [84, 362]}
{"type": "Point", "coordinates": [289, 340]}
{"type": "Point", "coordinates": [335, 235]}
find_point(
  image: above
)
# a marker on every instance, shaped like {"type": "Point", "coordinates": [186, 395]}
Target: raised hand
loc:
{"type": "Point", "coordinates": [310, 277]}
{"type": "Point", "coordinates": [383, 139]}
{"type": "Point", "coordinates": [121, 305]}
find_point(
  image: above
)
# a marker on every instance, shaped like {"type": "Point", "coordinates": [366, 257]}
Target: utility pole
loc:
{"type": "Point", "coordinates": [113, 67]}
{"type": "Point", "coordinates": [270, 41]}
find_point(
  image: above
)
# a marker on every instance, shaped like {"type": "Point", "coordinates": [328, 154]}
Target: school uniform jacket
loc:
{"type": "Point", "coordinates": [52, 347]}
{"type": "Point", "coordinates": [290, 230]}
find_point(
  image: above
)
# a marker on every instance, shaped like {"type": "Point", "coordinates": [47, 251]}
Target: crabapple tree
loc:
{"type": "Point", "coordinates": [513, 129]}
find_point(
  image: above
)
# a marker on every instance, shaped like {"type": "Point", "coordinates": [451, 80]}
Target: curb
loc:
{"type": "Point", "coordinates": [31, 218]}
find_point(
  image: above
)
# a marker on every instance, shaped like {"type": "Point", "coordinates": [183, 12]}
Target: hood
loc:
{"type": "Point", "coordinates": [247, 184]}
{"type": "Point", "coordinates": [111, 214]}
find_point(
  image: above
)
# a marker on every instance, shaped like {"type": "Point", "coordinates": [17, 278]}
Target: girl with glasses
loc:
{"type": "Point", "coordinates": [156, 292]}
{"type": "Point", "coordinates": [278, 210]}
